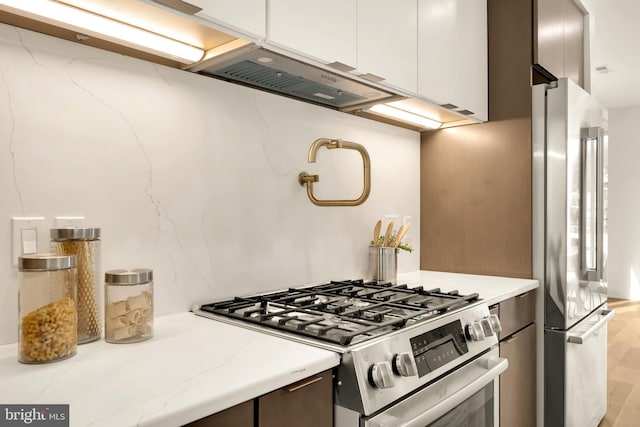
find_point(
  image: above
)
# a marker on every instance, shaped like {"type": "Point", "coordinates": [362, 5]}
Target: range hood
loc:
{"type": "Point", "coordinates": [265, 69]}
{"type": "Point", "coordinates": [199, 48]}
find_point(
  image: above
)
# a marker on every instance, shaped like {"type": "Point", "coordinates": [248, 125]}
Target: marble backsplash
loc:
{"type": "Point", "coordinates": [190, 176]}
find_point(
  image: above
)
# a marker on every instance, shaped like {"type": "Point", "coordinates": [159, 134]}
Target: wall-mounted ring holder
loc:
{"type": "Point", "coordinates": [305, 179]}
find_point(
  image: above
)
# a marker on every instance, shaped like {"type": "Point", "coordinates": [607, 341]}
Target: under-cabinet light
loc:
{"type": "Point", "coordinates": [405, 116]}
{"type": "Point", "coordinates": [92, 24]}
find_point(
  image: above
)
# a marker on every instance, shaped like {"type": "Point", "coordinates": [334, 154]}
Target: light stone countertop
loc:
{"type": "Point", "coordinates": [193, 366]}
{"type": "Point", "coordinates": [492, 289]}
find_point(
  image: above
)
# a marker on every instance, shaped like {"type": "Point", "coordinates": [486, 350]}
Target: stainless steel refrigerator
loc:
{"type": "Point", "coordinates": [569, 131]}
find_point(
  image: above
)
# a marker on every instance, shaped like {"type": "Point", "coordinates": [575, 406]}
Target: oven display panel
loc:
{"type": "Point", "coordinates": [438, 347]}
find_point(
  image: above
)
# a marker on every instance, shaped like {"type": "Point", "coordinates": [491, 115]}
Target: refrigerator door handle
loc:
{"type": "Point", "coordinates": [601, 203]}
{"type": "Point", "coordinates": [592, 219]}
{"type": "Point", "coordinates": [582, 337]}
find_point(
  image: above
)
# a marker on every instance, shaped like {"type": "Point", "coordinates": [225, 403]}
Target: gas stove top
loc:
{"type": "Point", "coordinates": [342, 312]}
{"type": "Point", "coordinates": [393, 339]}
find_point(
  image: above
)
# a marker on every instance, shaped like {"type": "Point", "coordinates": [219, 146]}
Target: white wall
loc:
{"type": "Point", "coordinates": [624, 203]}
{"type": "Point", "coordinates": [187, 175]}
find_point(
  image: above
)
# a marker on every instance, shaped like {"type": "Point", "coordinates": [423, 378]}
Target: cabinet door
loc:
{"type": "Point", "coordinates": [517, 312]}
{"type": "Point", "coordinates": [548, 44]}
{"type": "Point", "coordinates": [437, 64]}
{"type": "Point", "coordinates": [518, 382]}
{"type": "Point", "coordinates": [574, 61]}
{"type": "Point", "coordinates": [473, 72]}
{"type": "Point", "coordinates": [324, 30]}
{"type": "Point", "coordinates": [388, 41]}
{"type": "Point", "coordinates": [452, 54]}
{"type": "Point", "coordinates": [245, 16]}
{"type": "Point", "coordinates": [559, 39]}
{"type": "Point", "coordinates": [306, 403]}
{"type": "Point", "coordinates": [237, 416]}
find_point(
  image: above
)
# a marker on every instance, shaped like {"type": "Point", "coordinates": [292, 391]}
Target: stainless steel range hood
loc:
{"type": "Point", "coordinates": [259, 67]}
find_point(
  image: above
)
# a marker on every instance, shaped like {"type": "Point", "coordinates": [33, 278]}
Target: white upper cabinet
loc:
{"type": "Point", "coordinates": [436, 59]}
{"type": "Point", "coordinates": [452, 54]}
{"type": "Point", "coordinates": [473, 75]}
{"type": "Point", "coordinates": [387, 41]}
{"type": "Point", "coordinates": [324, 30]}
{"type": "Point", "coordinates": [244, 16]}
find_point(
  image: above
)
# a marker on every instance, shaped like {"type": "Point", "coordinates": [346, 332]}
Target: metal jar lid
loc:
{"type": "Point", "coordinates": [46, 262]}
{"type": "Point", "coordinates": [128, 277]}
{"type": "Point", "coordinates": [75, 233]}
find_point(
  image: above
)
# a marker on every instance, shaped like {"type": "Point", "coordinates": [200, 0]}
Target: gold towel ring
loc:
{"type": "Point", "coordinates": [308, 180]}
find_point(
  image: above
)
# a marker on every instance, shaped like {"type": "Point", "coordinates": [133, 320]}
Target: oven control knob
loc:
{"type": "Point", "coordinates": [495, 323]}
{"type": "Point", "coordinates": [474, 331]}
{"type": "Point", "coordinates": [381, 376]}
{"type": "Point", "coordinates": [487, 328]}
{"type": "Point", "coordinates": [403, 364]}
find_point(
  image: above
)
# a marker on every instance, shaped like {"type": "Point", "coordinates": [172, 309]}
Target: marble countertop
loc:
{"type": "Point", "coordinates": [191, 368]}
{"type": "Point", "coordinates": [492, 289]}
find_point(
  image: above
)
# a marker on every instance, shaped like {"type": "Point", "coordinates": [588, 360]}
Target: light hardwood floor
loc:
{"type": "Point", "coordinates": [623, 371]}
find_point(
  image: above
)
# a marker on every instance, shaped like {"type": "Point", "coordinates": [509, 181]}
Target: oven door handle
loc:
{"type": "Point", "coordinates": [494, 367]}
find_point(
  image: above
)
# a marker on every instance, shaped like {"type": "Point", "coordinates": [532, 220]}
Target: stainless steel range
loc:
{"type": "Point", "coordinates": [409, 356]}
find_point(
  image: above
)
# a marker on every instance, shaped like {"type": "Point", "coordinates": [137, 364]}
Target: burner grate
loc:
{"type": "Point", "coordinates": [342, 312]}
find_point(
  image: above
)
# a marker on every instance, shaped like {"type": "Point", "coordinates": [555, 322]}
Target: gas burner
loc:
{"type": "Point", "coordinates": [342, 312]}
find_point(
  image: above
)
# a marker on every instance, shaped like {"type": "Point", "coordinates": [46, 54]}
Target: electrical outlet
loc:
{"type": "Point", "coordinates": [68, 222]}
{"type": "Point", "coordinates": [28, 236]}
{"type": "Point", "coordinates": [394, 218]}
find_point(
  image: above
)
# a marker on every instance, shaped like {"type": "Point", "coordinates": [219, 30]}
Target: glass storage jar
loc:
{"type": "Point", "coordinates": [47, 306]}
{"type": "Point", "coordinates": [85, 244]}
{"type": "Point", "coordinates": [128, 298]}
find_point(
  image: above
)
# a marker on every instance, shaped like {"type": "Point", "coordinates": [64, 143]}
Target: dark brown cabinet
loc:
{"type": "Point", "coordinates": [308, 403]}
{"type": "Point", "coordinates": [516, 313]}
{"type": "Point", "coordinates": [518, 345]}
{"type": "Point", "coordinates": [558, 39]}
{"type": "Point", "coordinates": [237, 416]}
{"type": "Point", "coordinates": [518, 383]}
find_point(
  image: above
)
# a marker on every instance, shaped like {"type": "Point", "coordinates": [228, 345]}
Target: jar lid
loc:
{"type": "Point", "coordinates": [128, 277]}
{"type": "Point", "coordinates": [46, 262]}
{"type": "Point", "coordinates": [71, 233]}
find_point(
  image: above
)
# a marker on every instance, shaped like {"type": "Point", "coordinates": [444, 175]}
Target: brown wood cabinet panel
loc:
{"type": "Point", "coordinates": [306, 403]}
{"type": "Point", "coordinates": [558, 39]}
{"type": "Point", "coordinates": [509, 24]}
{"type": "Point", "coordinates": [237, 416]}
{"type": "Point", "coordinates": [574, 61]}
{"type": "Point", "coordinates": [475, 210]}
{"type": "Point", "coordinates": [548, 35]}
{"type": "Point", "coordinates": [518, 382]}
{"type": "Point", "coordinates": [517, 312]}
